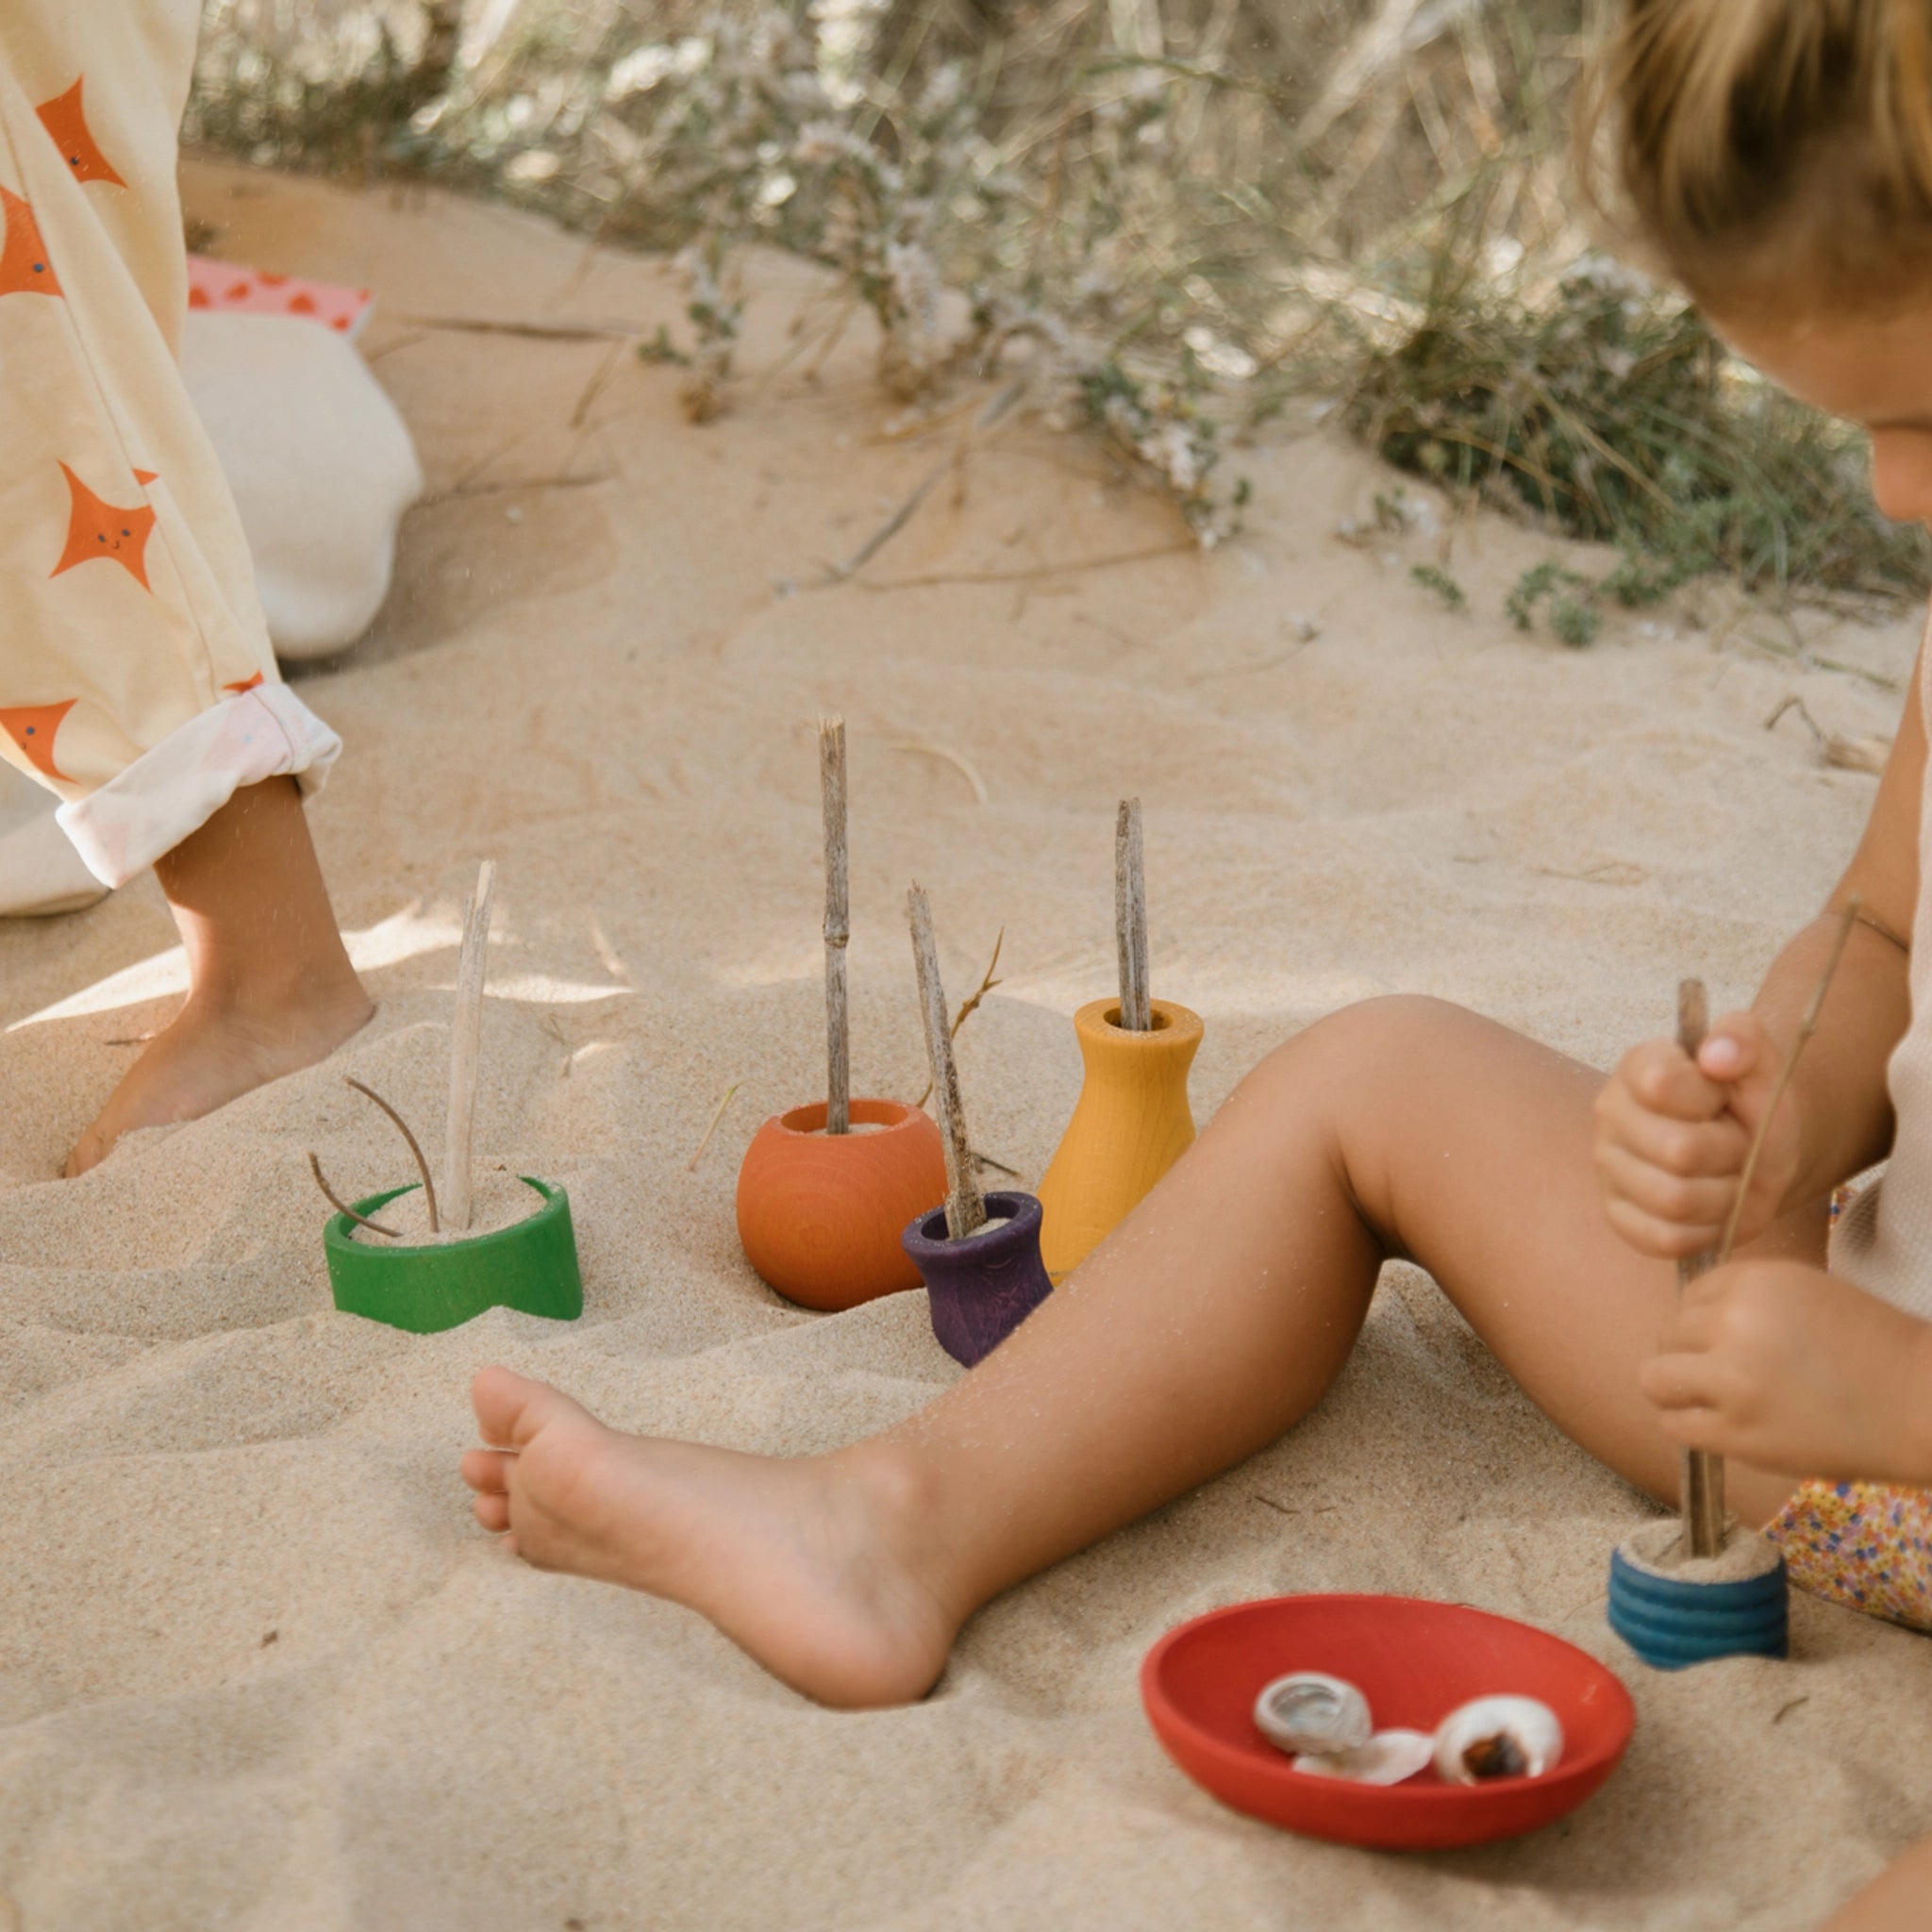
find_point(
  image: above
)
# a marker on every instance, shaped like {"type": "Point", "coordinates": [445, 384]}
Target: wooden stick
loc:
{"type": "Point", "coordinates": [416, 1152]}
{"type": "Point", "coordinates": [1701, 1475]}
{"type": "Point", "coordinates": [465, 1045]}
{"type": "Point", "coordinates": [1131, 918]}
{"type": "Point", "coordinates": [1704, 1473]}
{"type": "Point", "coordinates": [965, 1205]}
{"type": "Point", "coordinates": [341, 1206]}
{"type": "Point", "coordinates": [838, 927]}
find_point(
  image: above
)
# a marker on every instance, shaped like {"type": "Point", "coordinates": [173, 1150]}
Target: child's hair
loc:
{"type": "Point", "coordinates": [1775, 148]}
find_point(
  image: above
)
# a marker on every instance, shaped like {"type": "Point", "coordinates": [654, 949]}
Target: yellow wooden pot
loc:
{"type": "Point", "coordinates": [1131, 1127]}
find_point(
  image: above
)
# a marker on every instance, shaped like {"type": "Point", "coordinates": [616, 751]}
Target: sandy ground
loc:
{"type": "Point", "coordinates": [257, 1667]}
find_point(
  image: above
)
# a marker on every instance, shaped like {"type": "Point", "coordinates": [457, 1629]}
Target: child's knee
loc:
{"type": "Point", "coordinates": [1388, 1037]}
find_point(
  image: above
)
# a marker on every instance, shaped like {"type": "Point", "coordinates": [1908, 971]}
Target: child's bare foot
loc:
{"type": "Point", "coordinates": [204, 1058]}
{"type": "Point", "coordinates": [809, 1565]}
{"type": "Point", "coordinates": [271, 988]}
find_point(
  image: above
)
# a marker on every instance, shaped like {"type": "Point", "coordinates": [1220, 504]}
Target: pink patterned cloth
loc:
{"type": "Point", "coordinates": [225, 285]}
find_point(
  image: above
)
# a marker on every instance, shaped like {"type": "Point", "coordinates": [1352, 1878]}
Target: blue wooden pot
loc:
{"type": "Point", "coordinates": [1673, 1622]}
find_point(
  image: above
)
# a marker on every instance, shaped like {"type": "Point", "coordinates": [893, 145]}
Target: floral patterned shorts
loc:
{"type": "Point", "coordinates": [1867, 1545]}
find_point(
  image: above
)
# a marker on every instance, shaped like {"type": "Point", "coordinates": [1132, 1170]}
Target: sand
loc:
{"type": "Point", "coordinates": [259, 1668]}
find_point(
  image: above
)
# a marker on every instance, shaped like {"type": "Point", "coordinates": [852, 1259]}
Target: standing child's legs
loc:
{"type": "Point", "coordinates": [1212, 1320]}
{"type": "Point", "coordinates": [136, 676]}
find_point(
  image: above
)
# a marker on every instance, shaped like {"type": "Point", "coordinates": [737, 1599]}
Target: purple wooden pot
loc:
{"type": "Point", "coordinates": [983, 1286]}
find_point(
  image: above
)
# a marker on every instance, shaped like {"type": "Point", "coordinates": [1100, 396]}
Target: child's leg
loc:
{"type": "Point", "coordinates": [1897, 1902]}
{"type": "Point", "coordinates": [271, 988]}
{"type": "Point", "coordinates": [136, 677]}
{"type": "Point", "coordinates": [1210, 1321]}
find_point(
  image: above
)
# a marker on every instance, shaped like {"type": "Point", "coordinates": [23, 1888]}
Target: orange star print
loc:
{"type": "Point", "coordinates": [32, 727]}
{"type": "Point", "coordinates": [24, 265]}
{"type": "Point", "coordinates": [244, 684]}
{"type": "Point", "coordinates": [101, 529]}
{"type": "Point", "coordinates": [66, 122]}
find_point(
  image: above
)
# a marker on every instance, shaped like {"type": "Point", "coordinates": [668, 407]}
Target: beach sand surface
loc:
{"type": "Point", "coordinates": [258, 1667]}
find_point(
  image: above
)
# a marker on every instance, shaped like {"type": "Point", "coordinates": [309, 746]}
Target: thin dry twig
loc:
{"type": "Point", "coordinates": [415, 1149]}
{"type": "Point", "coordinates": [341, 1206]}
{"type": "Point", "coordinates": [1034, 571]}
{"type": "Point", "coordinates": [968, 1006]}
{"type": "Point", "coordinates": [691, 1166]}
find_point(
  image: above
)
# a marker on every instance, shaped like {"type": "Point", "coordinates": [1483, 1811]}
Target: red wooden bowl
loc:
{"type": "Point", "coordinates": [1415, 1662]}
{"type": "Point", "coordinates": [820, 1215]}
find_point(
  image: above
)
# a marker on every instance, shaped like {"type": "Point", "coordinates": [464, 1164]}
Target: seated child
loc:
{"type": "Point", "coordinates": [1779, 155]}
{"type": "Point", "coordinates": [136, 677]}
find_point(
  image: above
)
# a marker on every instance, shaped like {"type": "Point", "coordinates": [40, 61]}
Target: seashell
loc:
{"type": "Point", "coordinates": [1387, 1759]}
{"type": "Point", "coordinates": [1497, 1736]}
{"type": "Point", "coordinates": [1312, 1711]}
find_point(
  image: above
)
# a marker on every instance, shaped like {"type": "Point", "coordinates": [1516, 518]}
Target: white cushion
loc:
{"type": "Point", "coordinates": [320, 464]}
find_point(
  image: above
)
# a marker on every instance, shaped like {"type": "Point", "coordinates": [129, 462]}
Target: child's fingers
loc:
{"type": "Point", "coordinates": [1663, 1079]}
{"type": "Point", "coordinates": [1687, 1150]}
{"type": "Point", "coordinates": [1650, 1234]}
{"type": "Point", "coordinates": [1696, 1206]}
{"type": "Point", "coordinates": [492, 1513]}
{"type": "Point", "coordinates": [1683, 1382]}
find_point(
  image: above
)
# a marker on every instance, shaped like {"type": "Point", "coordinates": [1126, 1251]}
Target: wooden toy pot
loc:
{"type": "Point", "coordinates": [530, 1265]}
{"type": "Point", "coordinates": [1131, 1124]}
{"type": "Point", "coordinates": [984, 1285]}
{"type": "Point", "coordinates": [820, 1214]}
{"type": "Point", "coordinates": [1672, 1618]}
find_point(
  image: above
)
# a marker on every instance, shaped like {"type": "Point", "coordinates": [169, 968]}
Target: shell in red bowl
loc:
{"type": "Point", "coordinates": [1416, 1662]}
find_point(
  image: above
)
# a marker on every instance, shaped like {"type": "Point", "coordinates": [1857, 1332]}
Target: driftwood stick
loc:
{"type": "Point", "coordinates": [838, 927]}
{"type": "Point", "coordinates": [1131, 918]}
{"type": "Point", "coordinates": [465, 1045]}
{"type": "Point", "coordinates": [341, 1206]}
{"type": "Point", "coordinates": [1704, 1473]}
{"type": "Point", "coordinates": [965, 1205]}
{"type": "Point", "coordinates": [1701, 1477]}
{"type": "Point", "coordinates": [416, 1152]}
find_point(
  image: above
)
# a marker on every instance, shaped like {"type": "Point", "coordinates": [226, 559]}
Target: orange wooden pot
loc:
{"type": "Point", "coordinates": [820, 1214]}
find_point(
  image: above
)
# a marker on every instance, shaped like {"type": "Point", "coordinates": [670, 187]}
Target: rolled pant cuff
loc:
{"type": "Point", "coordinates": [173, 790]}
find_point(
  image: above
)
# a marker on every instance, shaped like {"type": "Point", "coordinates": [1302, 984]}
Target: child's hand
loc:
{"type": "Point", "coordinates": [1792, 1370]}
{"type": "Point", "coordinates": [1672, 1135]}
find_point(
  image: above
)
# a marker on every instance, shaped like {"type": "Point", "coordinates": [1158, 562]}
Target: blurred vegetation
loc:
{"type": "Point", "coordinates": [1168, 219]}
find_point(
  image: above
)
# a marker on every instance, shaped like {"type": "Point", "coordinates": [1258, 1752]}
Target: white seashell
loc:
{"type": "Point", "coordinates": [1312, 1711]}
{"type": "Point", "coordinates": [1387, 1759]}
{"type": "Point", "coordinates": [1498, 1736]}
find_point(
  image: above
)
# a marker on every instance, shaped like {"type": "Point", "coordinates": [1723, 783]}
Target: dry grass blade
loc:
{"type": "Point", "coordinates": [415, 1150]}
{"type": "Point", "coordinates": [1847, 919]}
{"type": "Point", "coordinates": [691, 1166]}
{"type": "Point", "coordinates": [341, 1206]}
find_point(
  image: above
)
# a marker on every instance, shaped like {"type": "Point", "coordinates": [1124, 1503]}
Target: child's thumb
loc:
{"type": "Point", "coordinates": [1732, 1048]}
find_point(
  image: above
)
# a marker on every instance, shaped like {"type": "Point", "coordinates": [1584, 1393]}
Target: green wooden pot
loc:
{"type": "Point", "coordinates": [531, 1266]}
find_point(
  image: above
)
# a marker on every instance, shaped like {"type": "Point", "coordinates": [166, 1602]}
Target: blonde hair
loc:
{"type": "Point", "coordinates": [1763, 146]}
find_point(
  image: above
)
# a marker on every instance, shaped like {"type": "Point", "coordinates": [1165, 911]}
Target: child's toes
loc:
{"type": "Point", "coordinates": [510, 1410]}
{"type": "Point", "coordinates": [487, 1471]}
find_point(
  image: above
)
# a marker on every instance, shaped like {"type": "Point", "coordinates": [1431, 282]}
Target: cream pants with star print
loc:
{"type": "Point", "coordinates": [136, 676]}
